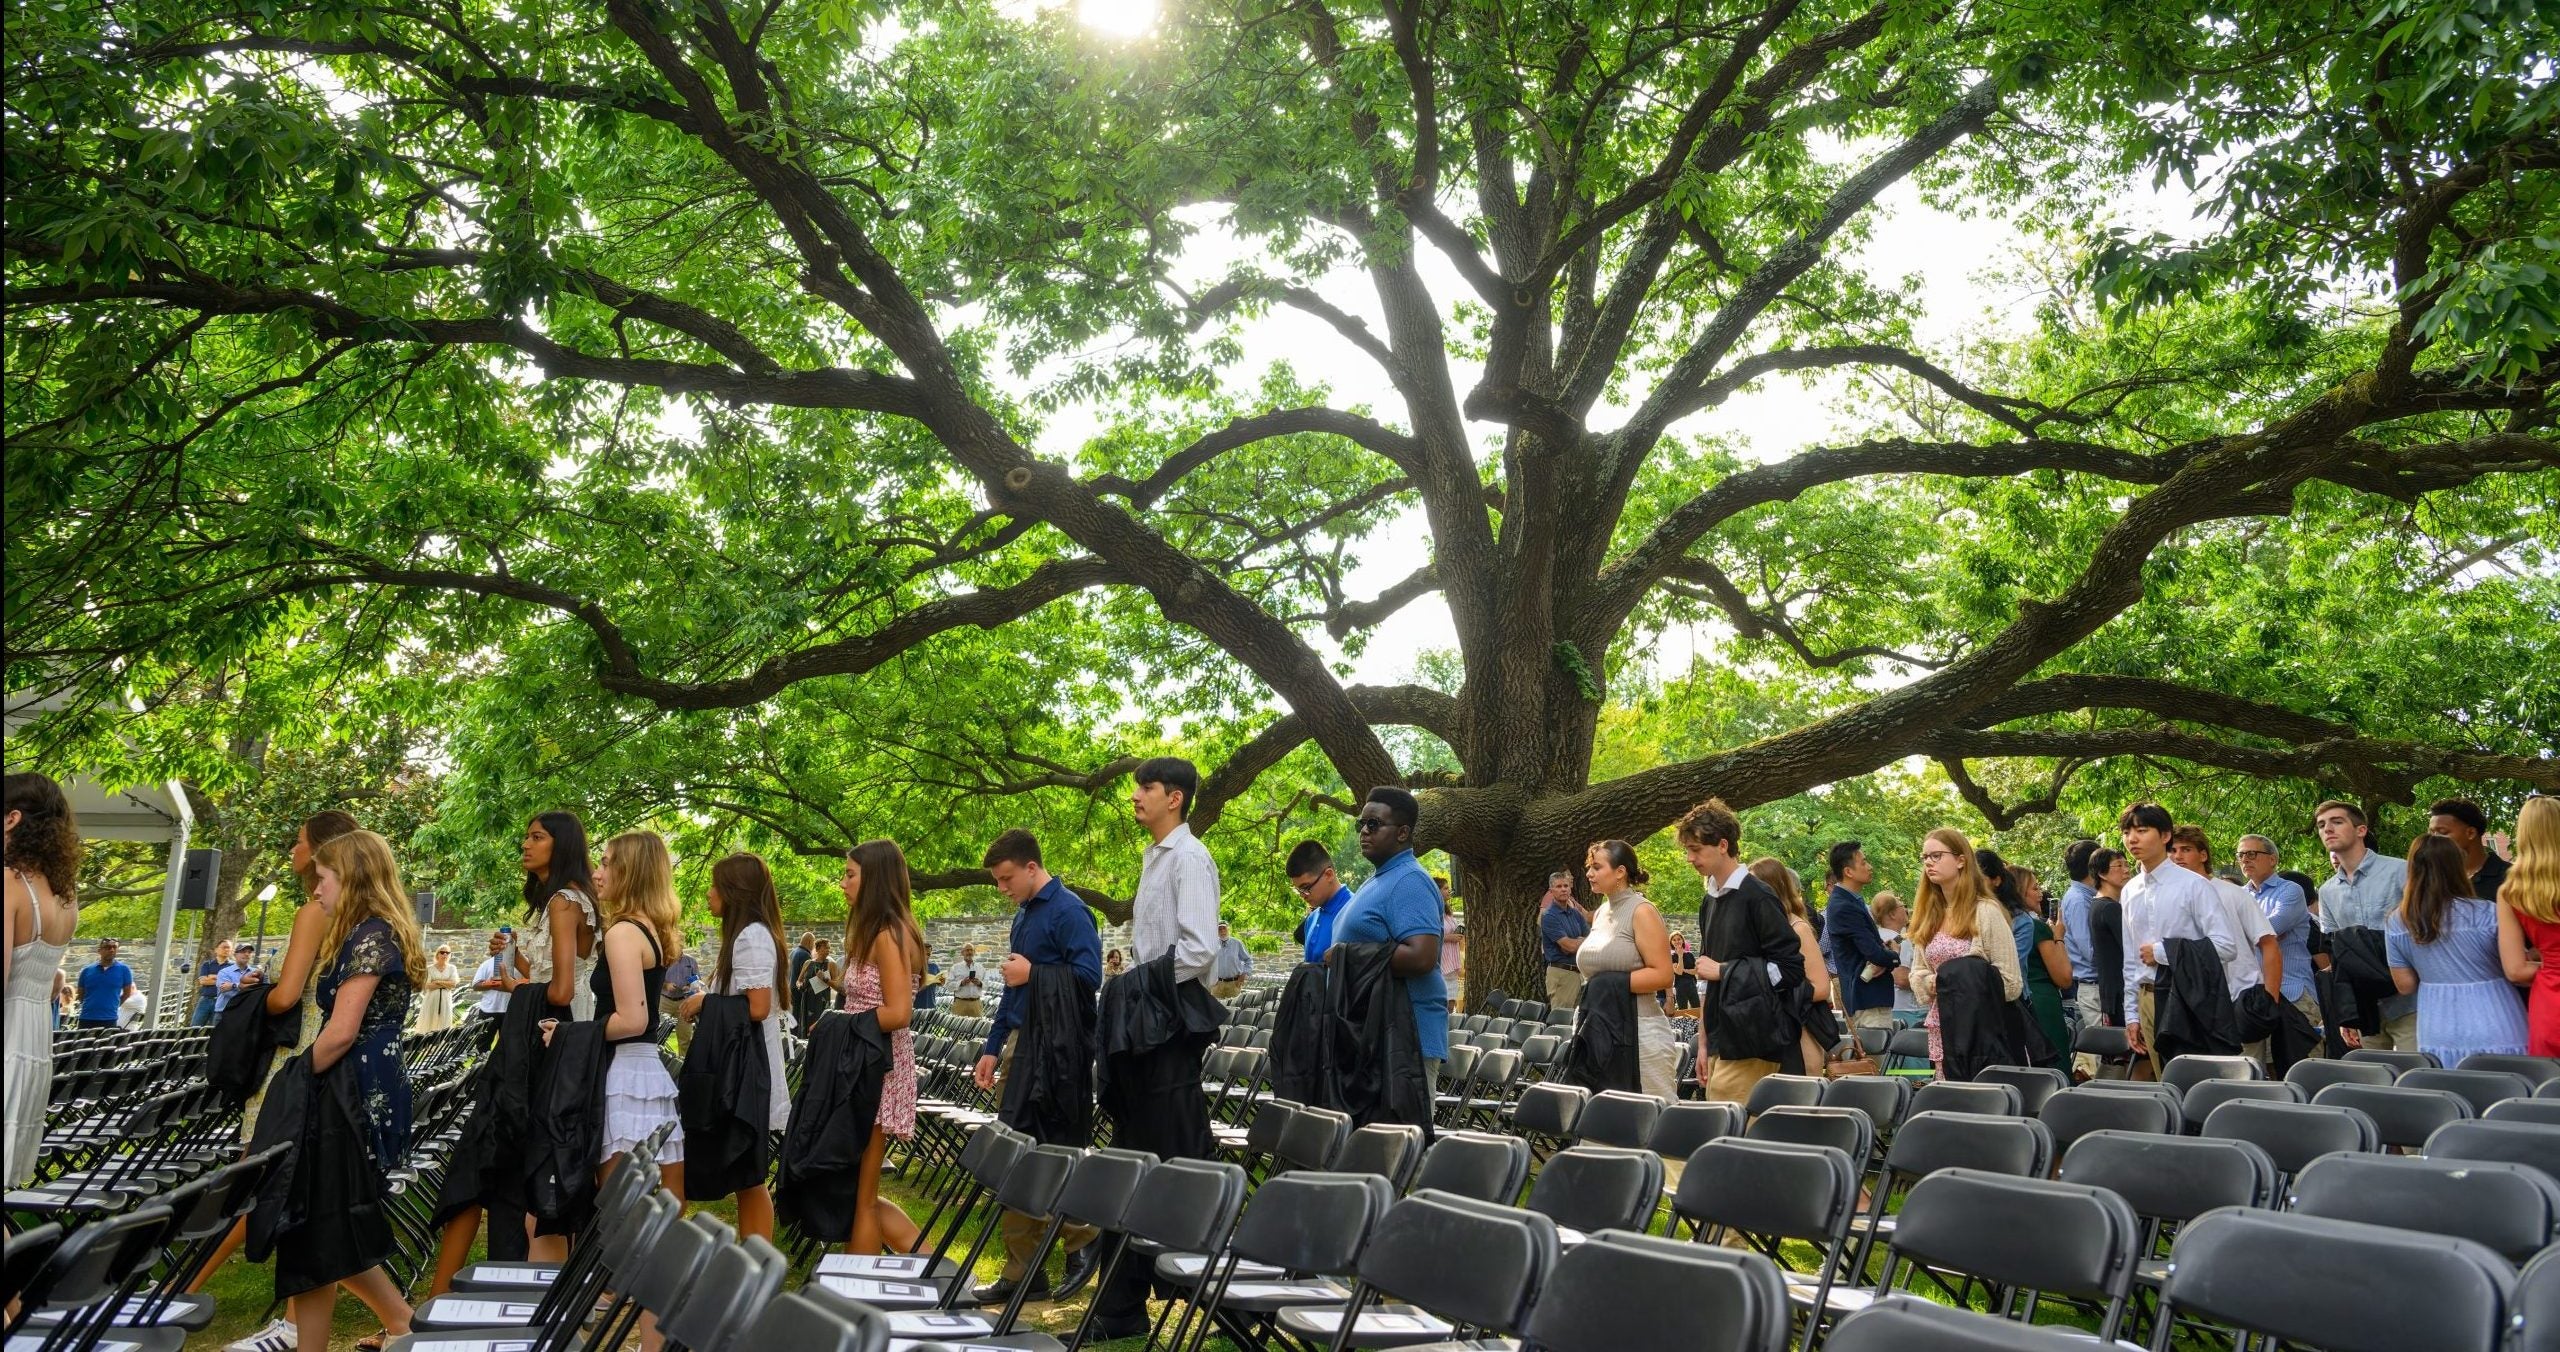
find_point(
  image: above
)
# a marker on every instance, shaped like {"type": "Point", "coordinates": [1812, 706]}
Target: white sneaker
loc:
{"type": "Point", "coordinates": [277, 1336]}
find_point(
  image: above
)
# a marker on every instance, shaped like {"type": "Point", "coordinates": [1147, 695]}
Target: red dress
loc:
{"type": "Point", "coordinates": [2542, 1004]}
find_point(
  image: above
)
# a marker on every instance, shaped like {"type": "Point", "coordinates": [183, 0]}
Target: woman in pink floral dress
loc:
{"type": "Point", "coordinates": [883, 950]}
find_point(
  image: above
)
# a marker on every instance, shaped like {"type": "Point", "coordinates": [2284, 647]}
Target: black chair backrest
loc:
{"type": "Point", "coordinates": [2537, 1303]}
{"type": "Point", "coordinates": [1783, 1091]}
{"type": "Point", "coordinates": [2398, 1061]}
{"type": "Point", "coordinates": [2318, 1073]}
{"type": "Point", "coordinates": [1846, 1130]}
{"type": "Point", "coordinates": [1930, 1141]}
{"type": "Point", "coordinates": [2508, 1208]}
{"type": "Point", "coordinates": [1686, 1125]}
{"type": "Point", "coordinates": [1618, 1118]}
{"type": "Point", "coordinates": [2481, 1087]}
{"type": "Point", "coordinates": [992, 1152]}
{"type": "Point", "coordinates": [2034, 1084]}
{"type": "Point", "coordinates": [2294, 1134]}
{"type": "Point", "coordinates": [1101, 1186]}
{"type": "Point", "coordinates": [1772, 1188]}
{"type": "Point", "coordinates": [29, 1250]}
{"type": "Point", "coordinates": [2313, 1282]}
{"type": "Point", "coordinates": [2405, 1116]}
{"type": "Point", "coordinates": [1475, 1164]}
{"type": "Point", "coordinates": [1309, 1221]}
{"type": "Point", "coordinates": [1039, 1175]}
{"type": "Point", "coordinates": [2186, 1072]}
{"type": "Point", "coordinates": [2059, 1238]}
{"type": "Point", "coordinates": [2208, 1095]}
{"type": "Point", "coordinates": [1466, 1261]}
{"type": "Point", "coordinates": [1949, 1096]}
{"type": "Point", "coordinates": [2538, 1070]}
{"type": "Point", "coordinates": [1270, 1123]}
{"type": "Point", "coordinates": [1883, 1098]}
{"type": "Point", "coordinates": [1391, 1150]}
{"type": "Point", "coordinates": [2172, 1178]}
{"type": "Point", "coordinates": [2528, 1143]}
{"type": "Point", "coordinates": [1313, 1138]}
{"type": "Point", "coordinates": [1549, 1108]}
{"type": "Point", "coordinates": [1598, 1187]}
{"type": "Point", "coordinates": [731, 1287]}
{"type": "Point", "coordinates": [91, 1263]}
{"type": "Point", "coordinates": [815, 1319]}
{"type": "Point", "coordinates": [2541, 1110]}
{"type": "Point", "coordinates": [1910, 1324]}
{"type": "Point", "coordinates": [1606, 1296]}
{"type": "Point", "coordinates": [664, 1276]}
{"type": "Point", "coordinates": [1186, 1205]}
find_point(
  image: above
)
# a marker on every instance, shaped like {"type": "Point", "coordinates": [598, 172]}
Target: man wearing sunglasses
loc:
{"type": "Point", "coordinates": [1312, 877]}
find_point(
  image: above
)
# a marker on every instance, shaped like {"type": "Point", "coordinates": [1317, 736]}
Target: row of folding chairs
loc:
{"type": "Point", "coordinates": [125, 1275]}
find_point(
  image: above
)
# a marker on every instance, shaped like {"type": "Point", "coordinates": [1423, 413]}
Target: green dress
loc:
{"type": "Point", "coordinates": [2044, 999]}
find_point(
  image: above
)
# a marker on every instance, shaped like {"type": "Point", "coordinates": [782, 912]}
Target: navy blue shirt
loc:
{"type": "Point", "coordinates": [1561, 922]}
{"type": "Point", "coordinates": [1850, 945]}
{"type": "Point", "coordinates": [1051, 929]}
{"type": "Point", "coordinates": [1397, 904]}
{"type": "Point", "coordinates": [1321, 922]}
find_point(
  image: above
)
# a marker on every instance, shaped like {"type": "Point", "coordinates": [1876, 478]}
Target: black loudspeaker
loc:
{"type": "Point", "coordinates": [430, 909]}
{"type": "Point", "coordinates": [196, 879]}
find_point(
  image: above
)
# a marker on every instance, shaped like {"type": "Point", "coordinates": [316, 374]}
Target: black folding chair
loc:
{"type": "Point", "coordinates": [1475, 1164]}
{"type": "Point", "coordinates": [1459, 1267]}
{"type": "Point", "coordinates": [2312, 1282]}
{"type": "Point", "coordinates": [2030, 1238]}
{"type": "Point", "coordinates": [2510, 1209]}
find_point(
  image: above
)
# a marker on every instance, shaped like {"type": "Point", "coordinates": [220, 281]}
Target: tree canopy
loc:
{"type": "Point", "coordinates": [675, 381]}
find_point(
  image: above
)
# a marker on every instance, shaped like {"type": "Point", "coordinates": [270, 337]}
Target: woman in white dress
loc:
{"type": "Point", "coordinates": [43, 853]}
{"type": "Point", "coordinates": [750, 913]}
{"type": "Point", "coordinates": [435, 996]}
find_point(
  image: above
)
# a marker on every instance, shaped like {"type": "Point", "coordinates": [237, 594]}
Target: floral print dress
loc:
{"type": "Point", "coordinates": [382, 1084]}
{"type": "Point", "coordinates": [898, 1090]}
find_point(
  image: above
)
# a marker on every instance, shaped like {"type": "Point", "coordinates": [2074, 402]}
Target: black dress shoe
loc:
{"type": "Point", "coordinates": [1000, 1292]}
{"type": "Point", "coordinates": [1112, 1330]}
{"type": "Point", "coordinates": [1081, 1265]}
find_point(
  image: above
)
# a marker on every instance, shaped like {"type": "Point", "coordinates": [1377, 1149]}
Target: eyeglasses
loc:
{"type": "Point", "coordinates": [2254, 854]}
{"type": "Point", "coordinates": [1933, 856]}
{"type": "Point", "coordinates": [1303, 888]}
{"type": "Point", "coordinates": [1369, 824]}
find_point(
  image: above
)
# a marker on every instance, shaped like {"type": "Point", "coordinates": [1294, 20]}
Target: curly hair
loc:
{"type": "Point", "coordinates": [47, 839]}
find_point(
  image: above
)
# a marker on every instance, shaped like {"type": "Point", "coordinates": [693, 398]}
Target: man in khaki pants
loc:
{"type": "Point", "coordinates": [1562, 923]}
{"type": "Point", "coordinates": [1741, 921]}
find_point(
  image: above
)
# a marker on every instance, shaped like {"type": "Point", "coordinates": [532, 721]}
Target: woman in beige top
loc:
{"type": "Point", "coordinates": [1817, 970]}
{"type": "Point", "coordinates": [1627, 935]}
{"type": "Point", "coordinates": [1955, 915]}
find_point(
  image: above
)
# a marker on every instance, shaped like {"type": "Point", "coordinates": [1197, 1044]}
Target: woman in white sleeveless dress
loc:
{"type": "Point", "coordinates": [43, 853]}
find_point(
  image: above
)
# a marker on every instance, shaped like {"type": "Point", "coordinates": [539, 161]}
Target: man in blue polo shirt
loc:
{"type": "Point", "coordinates": [104, 984]}
{"type": "Point", "coordinates": [1400, 905]}
{"type": "Point", "coordinates": [1312, 877]}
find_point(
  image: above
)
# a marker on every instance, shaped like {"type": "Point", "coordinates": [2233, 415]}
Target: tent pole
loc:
{"type": "Point", "coordinates": [178, 833]}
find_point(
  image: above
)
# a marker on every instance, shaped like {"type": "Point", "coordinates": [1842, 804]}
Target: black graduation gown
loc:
{"type": "Point", "coordinates": [1048, 1092]}
{"type": "Point", "coordinates": [321, 1214]}
{"type": "Point", "coordinates": [1602, 1054]}
{"type": "Point", "coordinates": [724, 1094]}
{"type": "Point", "coordinates": [832, 1118]}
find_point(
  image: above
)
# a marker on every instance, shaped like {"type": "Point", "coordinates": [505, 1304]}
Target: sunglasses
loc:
{"type": "Point", "coordinates": [1369, 824]}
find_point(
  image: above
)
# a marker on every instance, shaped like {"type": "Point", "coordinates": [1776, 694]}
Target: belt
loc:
{"type": "Point", "coordinates": [1563, 967]}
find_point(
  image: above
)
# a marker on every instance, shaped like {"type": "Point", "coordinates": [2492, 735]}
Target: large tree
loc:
{"type": "Point", "coordinates": [663, 355]}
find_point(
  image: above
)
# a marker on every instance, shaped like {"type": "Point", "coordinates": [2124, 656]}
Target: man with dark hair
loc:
{"type": "Point", "coordinates": [104, 987]}
{"type": "Point", "coordinates": [1052, 932]}
{"type": "Point", "coordinates": [1399, 905]}
{"type": "Point", "coordinates": [1175, 912]}
{"type": "Point", "coordinates": [1562, 925]}
{"type": "Point", "coordinates": [2076, 900]}
{"type": "Point", "coordinates": [2163, 903]}
{"type": "Point", "coordinates": [1741, 923]}
{"type": "Point", "coordinates": [1312, 877]}
{"type": "Point", "coordinates": [2363, 887]}
{"type": "Point", "coordinates": [2461, 821]}
{"type": "Point", "coordinates": [1855, 951]}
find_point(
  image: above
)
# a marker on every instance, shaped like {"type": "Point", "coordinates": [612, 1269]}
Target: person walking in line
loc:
{"type": "Point", "coordinates": [2164, 904]}
{"type": "Point", "coordinates": [2364, 886]}
{"type": "Point", "coordinates": [2529, 922]}
{"type": "Point", "coordinates": [1812, 1002]}
{"type": "Point", "coordinates": [1563, 924]}
{"type": "Point", "coordinates": [820, 979]}
{"type": "Point", "coordinates": [1741, 923]}
{"type": "Point", "coordinates": [743, 899]}
{"type": "Point", "coordinates": [2443, 947]}
{"type": "Point", "coordinates": [1311, 876]}
{"type": "Point", "coordinates": [635, 887]}
{"type": "Point", "coordinates": [1628, 935]}
{"type": "Point", "coordinates": [1956, 916]}
{"type": "Point", "coordinates": [40, 844]}
{"type": "Point", "coordinates": [1858, 955]}
{"type": "Point", "coordinates": [883, 949]}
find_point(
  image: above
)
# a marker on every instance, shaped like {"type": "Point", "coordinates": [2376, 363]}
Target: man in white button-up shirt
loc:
{"type": "Point", "coordinates": [2163, 902]}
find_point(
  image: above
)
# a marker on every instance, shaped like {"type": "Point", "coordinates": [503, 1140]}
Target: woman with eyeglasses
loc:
{"type": "Point", "coordinates": [1958, 930]}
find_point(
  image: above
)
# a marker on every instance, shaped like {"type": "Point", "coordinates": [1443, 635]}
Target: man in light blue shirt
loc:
{"type": "Point", "coordinates": [1400, 905]}
{"type": "Point", "coordinates": [2288, 913]}
{"type": "Point", "coordinates": [2077, 948]}
{"type": "Point", "coordinates": [2362, 888]}
{"type": "Point", "coordinates": [226, 983]}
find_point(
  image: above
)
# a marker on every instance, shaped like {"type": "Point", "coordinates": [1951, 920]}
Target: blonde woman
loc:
{"type": "Point", "coordinates": [2529, 922]}
{"type": "Point", "coordinates": [370, 946]}
{"type": "Point", "coordinates": [1817, 972]}
{"type": "Point", "coordinates": [635, 884]}
{"type": "Point", "coordinates": [1955, 915]}
{"type": "Point", "coordinates": [435, 1006]}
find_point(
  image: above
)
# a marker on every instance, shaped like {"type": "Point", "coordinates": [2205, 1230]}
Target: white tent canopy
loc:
{"type": "Point", "coordinates": [151, 812]}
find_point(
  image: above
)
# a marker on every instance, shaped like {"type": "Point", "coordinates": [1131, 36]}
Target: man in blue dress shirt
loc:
{"type": "Point", "coordinates": [1400, 905]}
{"type": "Point", "coordinates": [1312, 877]}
